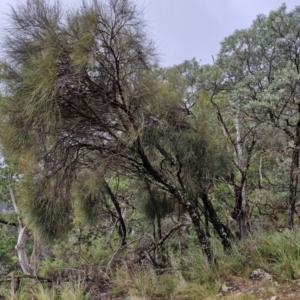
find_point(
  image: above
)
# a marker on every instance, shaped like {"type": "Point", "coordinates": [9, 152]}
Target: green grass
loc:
{"type": "Point", "coordinates": [189, 276]}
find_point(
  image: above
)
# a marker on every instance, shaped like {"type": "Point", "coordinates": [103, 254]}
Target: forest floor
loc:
{"type": "Point", "coordinates": [240, 288]}
{"type": "Point", "coordinates": [265, 266]}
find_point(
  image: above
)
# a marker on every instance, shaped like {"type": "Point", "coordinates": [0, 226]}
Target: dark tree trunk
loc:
{"type": "Point", "coordinates": [119, 212]}
{"type": "Point", "coordinates": [294, 178]}
{"type": "Point", "coordinates": [204, 242]}
{"type": "Point", "coordinates": [222, 230]}
{"type": "Point", "coordinates": [159, 231]}
{"type": "Point", "coordinates": [182, 198]}
{"type": "Point", "coordinates": [206, 218]}
{"type": "Point", "coordinates": [241, 210]}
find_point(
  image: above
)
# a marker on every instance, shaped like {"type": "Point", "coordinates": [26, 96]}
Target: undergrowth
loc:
{"type": "Point", "coordinates": [189, 275]}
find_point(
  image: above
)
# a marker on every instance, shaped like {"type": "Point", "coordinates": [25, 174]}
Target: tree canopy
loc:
{"type": "Point", "coordinates": [260, 73]}
{"type": "Point", "coordinates": [83, 95]}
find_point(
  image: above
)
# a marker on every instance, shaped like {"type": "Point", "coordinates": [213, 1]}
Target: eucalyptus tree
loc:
{"type": "Point", "coordinates": [80, 94]}
{"type": "Point", "coordinates": [260, 73]}
{"type": "Point", "coordinates": [241, 141]}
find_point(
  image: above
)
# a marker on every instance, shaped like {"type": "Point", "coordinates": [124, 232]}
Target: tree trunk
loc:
{"type": "Point", "coordinates": [241, 213]}
{"type": "Point", "coordinates": [119, 212]}
{"type": "Point", "coordinates": [22, 237]}
{"type": "Point", "coordinates": [204, 242]}
{"type": "Point", "coordinates": [294, 178]}
{"type": "Point", "coordinates": [21, 250]}
{"type": "Point", "coordinates": [15, 284]}
{"type": "Point", "coordinates": [222, 230]}
{"type": "Point", "coordinates": [241, 210]}
{"type": "Point", "coordinates": [159, 231]}
{"type": "Point", "coordinates": [36, 256]}
{"type": "Point", "coordinates": [182, 198]}
{"type": "Point", "coordinates": [206, 220]}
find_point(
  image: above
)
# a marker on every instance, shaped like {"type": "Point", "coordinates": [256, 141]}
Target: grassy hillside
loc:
{"type": "Point", "coordinates": [91, 274]}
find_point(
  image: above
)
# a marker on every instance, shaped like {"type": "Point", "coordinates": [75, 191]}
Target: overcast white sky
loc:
{"type": "Point", "coordinates": [183, 29]}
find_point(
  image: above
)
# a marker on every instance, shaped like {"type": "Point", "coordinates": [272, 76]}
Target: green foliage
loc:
{"type": "Point", "coordinates": [96, 131]}
{"type": "Point", "coordinates": [143, 283]}
{"type": "Point", "coordinates": [50, 268]}
{"type": "Point", "coordinates": [154, 203]}
{"type": "Point", "coordinates": [4, 185]}
{"type": "Point", "coordinates": [89, 192]}
{"type": "Point", "coordinates": [86, 103]}
{"type": "Point", "coordinates": [261, 67]}
{"type": "Point", "coordinates": [185, 130]}
{"type": "Point", "coordinates": [46, 205]}
{"type": "Point", "coordinates": [190, 277]}
{"type": "Point", "coordinates": [73, 291]}
{"type": "Point", "coordinates": [82, 250]}
{"type": "Point", "coordinates": [96, 252]}
{"type": "Point", "coordinates": [8, 254]}
{"type": "Point", "coordinates": [55, 60]}
{"type": "Point", "coordinates": [38, 291]}
{"type": "Point", "coordinates": [279, 253]}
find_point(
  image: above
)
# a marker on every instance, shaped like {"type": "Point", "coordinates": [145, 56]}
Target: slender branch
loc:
{"type": "Point", "coordinates": [120, 217]}
{"type": "Point", "coordinates": [2, 221]}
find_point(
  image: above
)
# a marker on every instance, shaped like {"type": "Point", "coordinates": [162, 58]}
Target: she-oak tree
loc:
{"type": "Point", "coordinates": [80, 94]}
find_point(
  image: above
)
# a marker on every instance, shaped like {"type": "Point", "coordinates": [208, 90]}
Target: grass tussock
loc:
{"type": "Point", "coordinates": [36, 291]}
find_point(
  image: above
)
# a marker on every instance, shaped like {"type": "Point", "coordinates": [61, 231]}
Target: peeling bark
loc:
{"type": "Point", "coordinates": [21, 250]}
{"type": "Point", "coordinates": [22, 238]}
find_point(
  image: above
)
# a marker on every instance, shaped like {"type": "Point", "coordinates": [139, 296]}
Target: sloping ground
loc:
{"type": "Point", "coordinates": [233, 288]}
{"type": "Point", "coordinates": [240, 289]}
{"type": "Point", "coordinates": [260, 290]}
